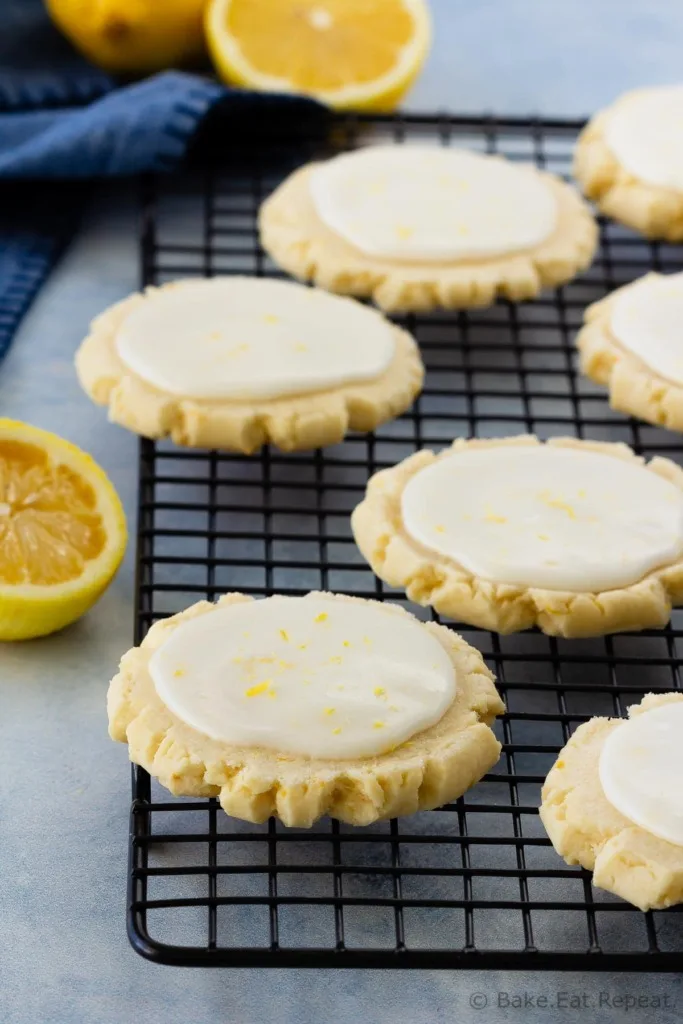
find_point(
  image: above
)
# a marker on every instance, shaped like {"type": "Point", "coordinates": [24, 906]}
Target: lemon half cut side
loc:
{"type": "Point", "coordinates": [349, 54]}
{"type": "Point", "coordinates": [62, 531]}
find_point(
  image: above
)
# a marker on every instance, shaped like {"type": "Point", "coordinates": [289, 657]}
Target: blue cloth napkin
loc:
{"type": "Point", "coordinates": [60, 120]}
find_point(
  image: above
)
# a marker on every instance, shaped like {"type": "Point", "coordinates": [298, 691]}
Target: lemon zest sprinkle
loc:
{"type": "Point", "coordinates": [379, 691]}
{"type": "Point", "coordinates": [563, 507]}
{"type": "Point", "coordinates": [491, 517]}
{"type": "Point", "coordinates": [321, 618]}
{"type": "Point", "coordinates": [330, 711]}
{"type": "Point", "coordinates": [547, 498]}
{"type": "Point", "coordinates": [256, 691]}
{"type": "Point", "coordinates": [378, 725]}
{"type": "Point", "coordinates": [237, 350]}
{"type": "Point", "coordinates": [285, 635]}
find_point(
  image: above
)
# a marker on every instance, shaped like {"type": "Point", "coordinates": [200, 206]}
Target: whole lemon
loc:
{"type": "Point", "coordinates": [133, 36]}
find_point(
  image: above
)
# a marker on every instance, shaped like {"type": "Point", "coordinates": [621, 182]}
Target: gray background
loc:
{"type": "Point", "coordinates": [64, 956]}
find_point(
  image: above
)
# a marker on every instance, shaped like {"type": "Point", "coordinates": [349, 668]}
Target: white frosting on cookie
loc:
{"type": "Point", "coordinates": [312, 676]}
{"type": "Point", "coordinates": [250, 338]}
{"type": "Point", "coordinates": [641, 769]}
{"type": "Point", "coordinates": [538, 516]}
{"type": "Point", "coordinates": [645, 133]}
{"type": "Point", "coordinates": [422, 203]}
{"type": "Point", "coordinates": [647, 319]}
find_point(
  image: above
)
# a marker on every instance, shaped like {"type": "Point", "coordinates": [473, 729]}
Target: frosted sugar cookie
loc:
{"type": "Point", "coordinates": [418, 227]}
{"type": "Point", "coordinates": [629, 159]}
{"type": "Point", "coordinates": [632, 341]}
{"type": "Point", "coordinates": [302, 707]}
{"type": "Point", "coordinates": [575, 537]}
{"type": "Point", "coordinates": [613, 802]}
{"type": "Point", "coordinates": [236, 362]}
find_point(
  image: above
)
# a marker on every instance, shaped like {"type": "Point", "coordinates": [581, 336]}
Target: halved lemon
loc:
{"type": "Point", "coordinates": [62, 531]}
{"type": "Point", "coordinates": [350, 54]}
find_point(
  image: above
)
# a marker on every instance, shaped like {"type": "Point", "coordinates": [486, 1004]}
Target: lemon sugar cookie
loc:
{"type": "Point", "coordinates": [302, 707]}
{"type": "Point", "coordinates": [629, 159]}
{"type": "Point", "coordinates": [632, 341]}
{"type": "Point", "coordinates": [236, 362]}
{"type": "Point", "coordinates": [419, 227]}
{"type": "Point", "coordinates": [613, 802]}
{"type": "Point", "coordinates": [575, 537]}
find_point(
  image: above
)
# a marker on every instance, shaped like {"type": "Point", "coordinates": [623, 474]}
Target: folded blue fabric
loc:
{"type": "Point", "coordinates": [142, 127]}
{"type": "Point", "coordinates": [62, 119]}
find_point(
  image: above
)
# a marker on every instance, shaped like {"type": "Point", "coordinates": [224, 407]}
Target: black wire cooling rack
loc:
{"type": "Point", "coordinates": [474, 884]}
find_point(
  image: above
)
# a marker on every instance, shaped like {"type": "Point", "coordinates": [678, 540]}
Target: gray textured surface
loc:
{"type": "Point", "coordinates": [64, 957]}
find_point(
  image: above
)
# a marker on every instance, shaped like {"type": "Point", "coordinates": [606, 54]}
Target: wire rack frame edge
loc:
{"type": "Point", "coordinates": [473, 885]}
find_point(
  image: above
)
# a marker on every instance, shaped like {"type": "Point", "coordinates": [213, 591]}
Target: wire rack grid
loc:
{"type": "Point", "coordinates": [474, 884]}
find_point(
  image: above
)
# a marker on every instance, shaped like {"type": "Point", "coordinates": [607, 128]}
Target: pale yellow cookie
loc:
{"type": "Point", "coordinates": [417, 228]}
{"type": "Point", "coordinates": [304, 707]}
{"type": "Point", "coordinates": [626, 854]}
{"type": "Point", "coordinates": [236, 362]}
{"type": "Point", "coordinates": [629, 160]}
{"type": "Point", "coordinates": [575, 537]}
{"type": "Point", "coordinates": [632, 342]}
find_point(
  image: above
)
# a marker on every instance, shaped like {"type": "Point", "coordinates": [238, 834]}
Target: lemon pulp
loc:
{"type": "Point", "coordinates": [49, 523]}
{"type": "Point", "coordinates": [342, 42]}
